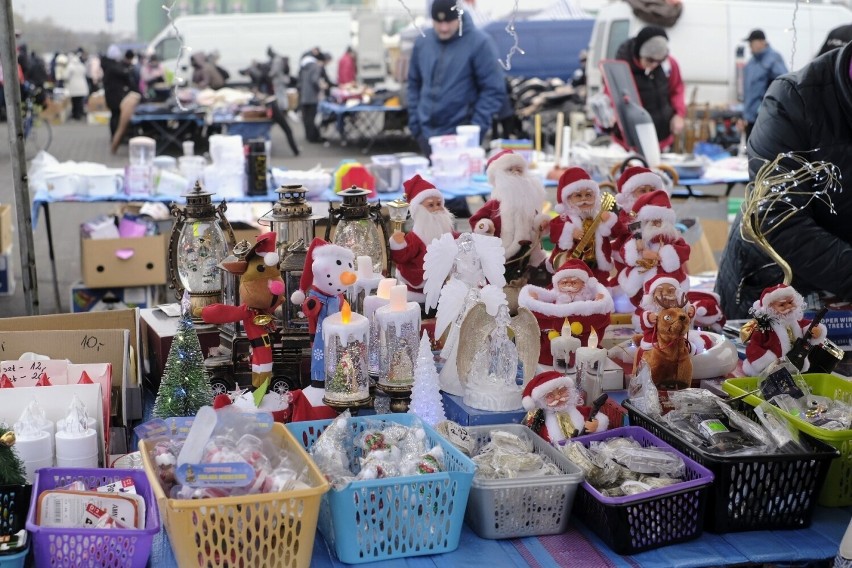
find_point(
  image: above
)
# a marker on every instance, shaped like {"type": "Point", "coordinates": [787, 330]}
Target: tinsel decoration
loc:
{"type": "Point", "coordinates": [185, 386]}
{"type": "Point", "coordinates": [426, 399]}
{"type": "Point", "coordinates": [781, 189]}
{"type": "Point", "coordinates": [11, 466]}
{"type": "Point", "coordinates": [516, 48]}
{"type": "Point", "coordinates": [183, 48]}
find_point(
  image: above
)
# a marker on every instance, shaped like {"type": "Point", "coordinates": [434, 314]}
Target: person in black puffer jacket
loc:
{"type": "Point", "coordinates": [809, 111]}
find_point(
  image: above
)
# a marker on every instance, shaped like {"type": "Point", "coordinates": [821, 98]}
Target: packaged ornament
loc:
{"type": "Point", "coordinates": [509, 456]}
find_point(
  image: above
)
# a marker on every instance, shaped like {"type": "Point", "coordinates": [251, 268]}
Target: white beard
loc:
{"type": "Point", "coordinates": [585, 294]}
{"type": "Point", "coordinates": [431, 225]}
{"type": "Point", "coordinates": [667, 230]}
{"type": "Point", "coordinates": [791, 319]}
{"type": "Point", "coordinates": [521, 198]}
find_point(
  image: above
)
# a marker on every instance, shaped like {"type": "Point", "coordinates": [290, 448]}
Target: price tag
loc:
{"type": "Point", "coordinates": [27, 373]}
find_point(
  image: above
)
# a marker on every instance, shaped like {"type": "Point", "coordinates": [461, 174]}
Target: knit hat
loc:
{"type": "Point", "coordinates": [635, 177]}
{"type": "Point", "coordinates": [572, 180]}
{"type": "Point", "coordinates": [653, 50]}
{"type": "Point", "coordinates": [658, 280]}
{"type": "Point", "coordinates": [541, 385]}
{"type": "Point", "coordinates": [417, 190]}
{"type": "Point", "coordinates": [442, 11]}
{"type": "Point", "coordinates": [777, 292]}
{"type": "Point", "coordinates": [572, 268]}
{"type": "Point", "coordinates": [319, 249]}
{"type": "Point", "coordinates": [654, 205]}
{"type": "Point", "coordinates": [503, 160]}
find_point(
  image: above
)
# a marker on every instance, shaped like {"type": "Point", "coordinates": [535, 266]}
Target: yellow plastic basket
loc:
{"type": "Point", "coordinates": [837, 489]}
{"type": "Point", "coordinates": [269, 529]}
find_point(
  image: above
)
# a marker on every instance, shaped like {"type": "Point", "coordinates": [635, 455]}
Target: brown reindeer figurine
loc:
{"type": "Point", "coordinates": [669, 358]}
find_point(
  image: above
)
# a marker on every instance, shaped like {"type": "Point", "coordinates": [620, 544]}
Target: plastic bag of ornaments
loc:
{"type": "Point", "coordinates": [621, 466]}
{"type": "Point", "coordinates": [381, 449]}
{"type": "Point", "coordinates": [225, 453]}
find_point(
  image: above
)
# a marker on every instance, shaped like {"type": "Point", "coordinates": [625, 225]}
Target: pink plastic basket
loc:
{"type": "Point", "coordinates": [104, 548]}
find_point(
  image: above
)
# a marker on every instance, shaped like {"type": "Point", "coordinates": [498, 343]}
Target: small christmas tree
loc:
{"type": "Point", "coordinates": [425, 394]}
{"type": "Point", "coordinates": [11, 466]}
{"type": "Point", "coordinates": [185, 386]}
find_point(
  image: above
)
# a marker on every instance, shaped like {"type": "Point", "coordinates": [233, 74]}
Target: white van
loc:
{"type": "Point", "coordinates": [705, 39]}
{"type": "Point", "coordinates": [241, 38]}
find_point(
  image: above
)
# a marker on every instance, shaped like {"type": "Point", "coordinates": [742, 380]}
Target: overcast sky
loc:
{"type": "Point", "coordinates": [80, 15]}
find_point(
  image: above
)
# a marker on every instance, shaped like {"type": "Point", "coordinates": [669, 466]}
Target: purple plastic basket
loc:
{"type": "Point", "coordinates": [112, 548]}
{"type": "Point", "coordinates": [650, 519]}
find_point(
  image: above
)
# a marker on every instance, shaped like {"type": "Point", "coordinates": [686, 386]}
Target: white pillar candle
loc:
{"type": "Point", "coordinates": [398, 298]}
{"type": "Point", "coordinates": [35, 451]}
{"type": "Point", "coordinates": [345, 335]}
{"type": "Point", "coordinates": [371, 304]}
{"type": "Point", "coordinates": [77, 450]}
{"type": "Point", "coordinates": [591, 361]}
{"type": "Point", "coordinates": [365, 267]}
{"type": "Point", "coordinates": [399, 332]}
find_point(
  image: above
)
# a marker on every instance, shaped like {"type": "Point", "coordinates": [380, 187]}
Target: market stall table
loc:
{"type": "Point", "coordinates": [364, 122]}
{"type": "Point", "coordinates": [169, 129]}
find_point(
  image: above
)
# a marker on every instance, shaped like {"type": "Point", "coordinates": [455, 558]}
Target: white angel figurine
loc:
{"type": "Point", "coordinates": [475, 265]}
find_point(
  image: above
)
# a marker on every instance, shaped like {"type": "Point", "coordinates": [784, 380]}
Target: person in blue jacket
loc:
{"type": "Point", "coordinates": [453, 78]}
{"type": "Point", "coordinates": [764, 66]}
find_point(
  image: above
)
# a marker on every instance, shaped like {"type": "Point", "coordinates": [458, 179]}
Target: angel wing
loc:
{"type": "Point", "coordinates": [492, 256]}
{"type": "Point", "coordinates": [453, 296]}
{"type": "Point", "coordinates": [475, 329]}
{"type": "Point", "coordinates": [527, 332]}
{"type": "Point", "coordinates": [493, 297]}
{"type": "Point", "coordinates": [437, 264]}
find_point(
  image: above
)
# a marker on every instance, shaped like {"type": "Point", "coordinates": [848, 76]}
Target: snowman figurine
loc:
{"type": "Point", "coordinates": [328, 272]}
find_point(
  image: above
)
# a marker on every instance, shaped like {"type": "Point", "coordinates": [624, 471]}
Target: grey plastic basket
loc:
{"type": "Point", "coordinates": [531, 506]}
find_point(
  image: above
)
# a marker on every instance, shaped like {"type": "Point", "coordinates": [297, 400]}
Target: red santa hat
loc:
{"type": "Point", "coordinates": [319, 249]}
{"type": "Point", "coordinates": [572, 180]}
{"type": "Point", "coordinates": [635, 177]}
{"type": "Point", "coordinates": [572, 268]}
{"type": "Point", "coordinates": [774, 293]}
{"type": "Point", "coordinates": [658, 280]}
{"type": "Point", "coordinates": [503, 160]}
{"type": "Point", "coordinates": [541, 385]}
{"type": "Point", "coordinates": [417, 190]}
{"type": "Point", "coordinates": [654, 205]}
{"type": "Point", "coordinates": [265, 248]}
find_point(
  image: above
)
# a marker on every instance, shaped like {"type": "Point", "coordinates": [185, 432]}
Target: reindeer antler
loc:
{"type": "Point", "coordinates": [679, 301]}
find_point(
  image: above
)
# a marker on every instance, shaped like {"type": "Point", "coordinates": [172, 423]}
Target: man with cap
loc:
{"type": "Point", "coordinates": [764, 66]}
{"type": "Point", "coordinates": [576, 297]}
{"type": "Point", "coordinates": [555, 409]}
{"type": "Point", "coordinates": [431, 220]}
{"type": "Point", "coordinates": [578, 204]}
{"type": "Point", "coordinates": [779, 322]}
{"type": "Point", "coordinates": [514, 212]}
{"type": "Point", "coordinates": [658, 80]}
{"type": "Point", "coordinates": [659, 249]}
{"type": "Point", "coordinates": [453, 78]}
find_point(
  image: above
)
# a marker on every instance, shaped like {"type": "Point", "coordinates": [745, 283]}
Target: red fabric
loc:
{"type": "Point", "coordinates": [491, 210]}
{"type": "Point", "coordinates": [346, 69]}
{"type": "Point", "coordinates": [303, 410]}
{"type": "Point", "coordinates": [409, 261]}
{"type": "Point", "coordinates": [676, 88]}
{"type": "Point", "coordinates": [598, 322]}
{"type": "Point", "coordinates": [602, 245]}
{"type": "Point", "coordinates": [224, 313]}
{"type": "Point", "coordinates": [619, 235]}
{"type": "Point", "coordinates": [360, 177]}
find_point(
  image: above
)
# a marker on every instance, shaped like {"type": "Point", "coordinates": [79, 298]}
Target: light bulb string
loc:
{"type": "Point", "coordinates": [183, 47]}
{"type": "Point", "coordinates": [516, 48]}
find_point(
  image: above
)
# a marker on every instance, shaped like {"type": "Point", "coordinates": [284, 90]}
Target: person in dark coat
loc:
{"type": "Point", "coordinates": [118, 82]}
{"type": "Point", "coordinates": [809, 111]}
{"type": "Point", "coordinates": [658, 80]}
{"type": "Point", "coordinates": [837, 37]}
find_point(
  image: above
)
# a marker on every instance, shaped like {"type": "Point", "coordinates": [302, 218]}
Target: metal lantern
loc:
{"type": "Point", "coordinates": [293, 221]}
{"type": "Point", "coordinates": [201, 238]}
{"type": "Point", "coordinates": [398, 213]}
{"type": "Point", "coordinates": [360, 227]}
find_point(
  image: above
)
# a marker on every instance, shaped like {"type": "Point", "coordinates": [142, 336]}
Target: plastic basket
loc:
{"type": "Point", "coordinates": [760, 492]}
{"type": "Point", "coordinates": [646, 520]}
{"type": "Point", "coordinates": [268, 529]}
{"type": "Point", "coordinates": [61, 547]}
{"type": "Point", "coordinates": [393, 517]}
{"type": "Point", "coordinates": [837, 489]}
{"type": "Point", "coordinates": [14, 504]}
{"type": "Point", "coordinates": [531, 506]}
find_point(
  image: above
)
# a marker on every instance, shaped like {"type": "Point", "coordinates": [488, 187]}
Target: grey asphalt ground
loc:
{"type": "Point", "coordinates": [79, 141]}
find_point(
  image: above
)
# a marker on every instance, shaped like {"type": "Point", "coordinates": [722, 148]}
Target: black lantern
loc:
{"type": "Point", "coordinates": [360, 227]}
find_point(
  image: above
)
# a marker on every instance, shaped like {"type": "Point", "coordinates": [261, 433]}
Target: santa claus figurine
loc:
{"type": "Point", "coordinates": [514, 212]}
{"type": "Point", "coordinates": [576, 296]}
{"type": "Point", "coordinates": [431, 220]}
{"type": "Point", "coordinates": [660, 292]}
{"type": "Point", "coordinates": [579, 204]}
{"type": "Point", "coordinates": [779, 322]}
{"type": "Point", "coordinates": [555, 410]}
{"type": "Point", "coordinates": [708, 310]}
{"type": "Point", "coordinates": [633, 183]}
{"type": "Point", "coordinates": [656, 249]}
{"type": "Point", "coordinates": [261, 291]}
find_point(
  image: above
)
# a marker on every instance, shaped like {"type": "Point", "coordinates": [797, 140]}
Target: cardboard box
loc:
{"type": "Point", "coordinates": [97, 103]}
{"type": "Point", "coordinates": [100, 118]}
{"type": "Point", "coordinates": [85, 299]}
{"type": "Point", "coordinates": [7, 274]}
{"type": "Point", "coordinates": [6, 228]}
{"type": "Point", "coordinates": [121, 263]}
{"type": "Point", "coordinates": [245, 232]}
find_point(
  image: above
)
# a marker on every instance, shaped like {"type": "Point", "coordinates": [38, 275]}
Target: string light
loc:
{"type": "Point", "coordinates": [510, 29]}
{"type": "Point", "coordinates": [779, 192]}
{"type": "Point", "coordinates": [412, 18]}
{"type": "Point", "coordinates": [795, 36]}
{"type": "Point", "coordinates": [183, 47]}
{"type": "Point", "coordinates": [459, 8]}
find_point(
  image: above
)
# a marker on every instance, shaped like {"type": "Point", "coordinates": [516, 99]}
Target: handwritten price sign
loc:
{"type": "Point", "coordinates": [27, 373]}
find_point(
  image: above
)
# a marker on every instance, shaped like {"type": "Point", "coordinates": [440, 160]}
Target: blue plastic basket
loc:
{"type": "Point", "coordinates": [14, 560]}
{"type": "Point", "coordinates": [393, 517]}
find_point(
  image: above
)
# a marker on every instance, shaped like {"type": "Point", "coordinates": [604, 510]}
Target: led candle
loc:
{"type": "Point", "coordinates": [345, 335]}
{"type": "Point", "coordinates": [371, 304]}
{"type": "Point", "coordinates": [591, 361]}
{"type": "Point", "coordinates": [399, 338]}
{"type": "Point", "coordinates": [562, 347]}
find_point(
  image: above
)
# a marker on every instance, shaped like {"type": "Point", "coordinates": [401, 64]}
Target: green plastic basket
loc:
{"type": "Point", "coordinates": [837, 490]}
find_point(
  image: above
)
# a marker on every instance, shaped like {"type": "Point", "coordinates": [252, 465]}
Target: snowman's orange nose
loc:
{"type": "Point", "coordinates": [348, 278]}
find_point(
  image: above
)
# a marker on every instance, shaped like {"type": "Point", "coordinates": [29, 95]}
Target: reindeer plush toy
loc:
{"type": "Point", "coordinates": [669, 357]}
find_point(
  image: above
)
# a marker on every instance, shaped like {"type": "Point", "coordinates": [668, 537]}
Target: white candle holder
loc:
{"type": "Point", "coordinates": [591, 363]}
{"type": "Point", "coordinates": [399, 331]}
{"type": "Point", "coordinates": [371, 304]}
{"type": "Point", "coordinates": [347, 384]}
{"type": "Point", "coordinates": [367, 282]}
